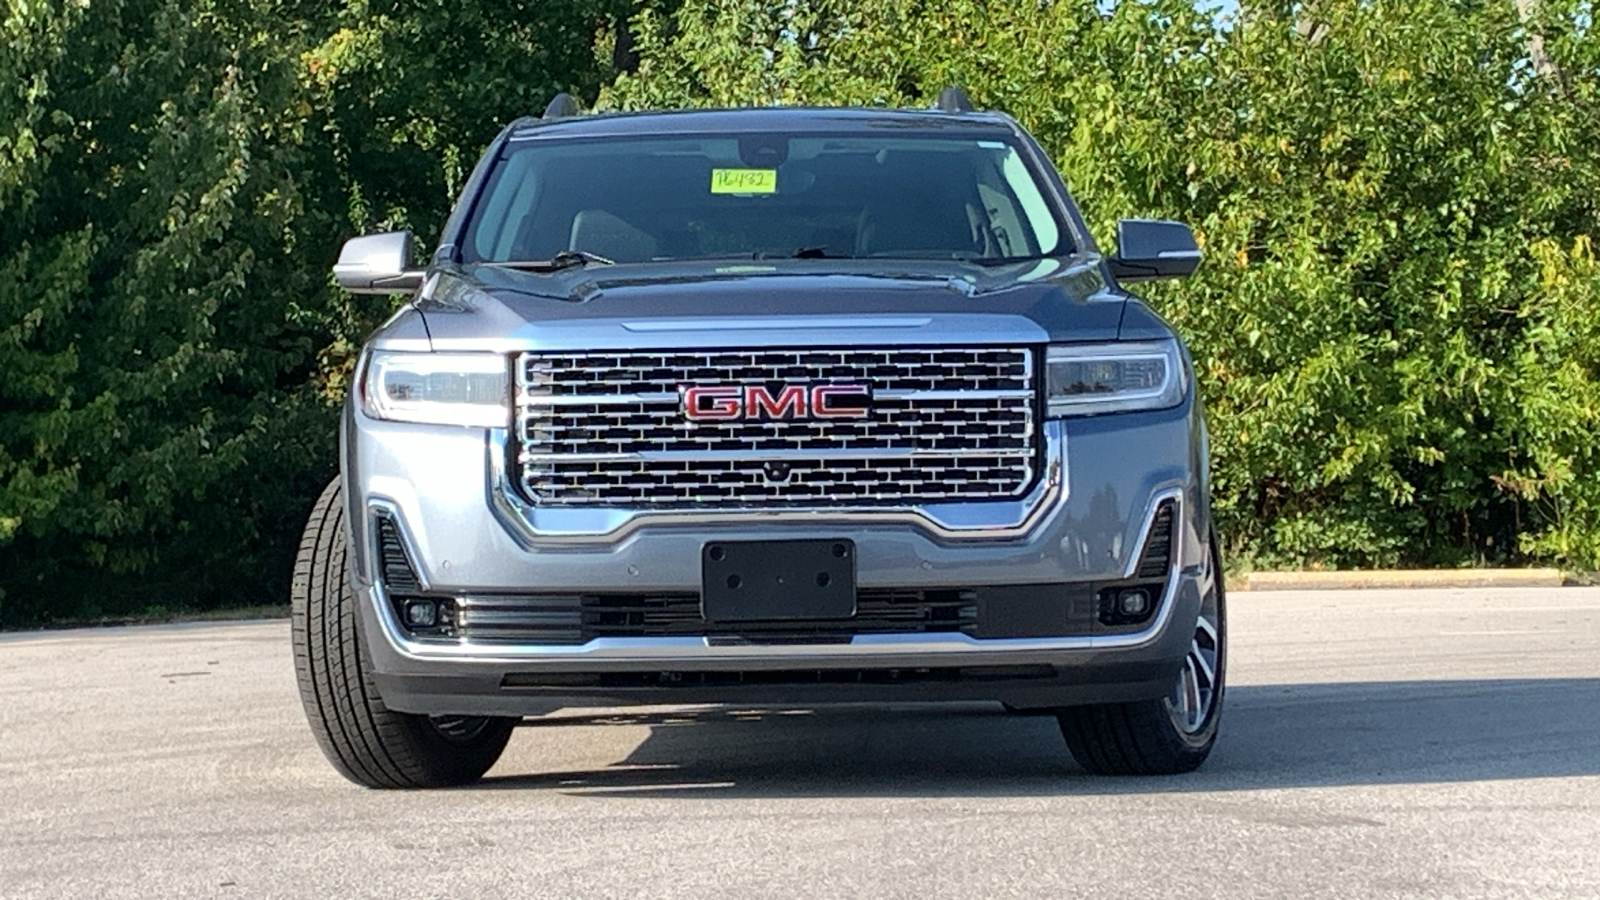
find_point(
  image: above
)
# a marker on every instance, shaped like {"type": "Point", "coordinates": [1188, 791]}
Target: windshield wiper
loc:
{"type": "Point", "coordinates": [1003, 260]}
{"type": "Point", "coordinates": [821, 252]}
{"type": "Point", "coordinates": [566, 259]}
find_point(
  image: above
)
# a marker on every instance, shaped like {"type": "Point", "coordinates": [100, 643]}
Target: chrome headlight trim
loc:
{"type": "Point", "coordinates": [466, 389]}
{"type": "Point", "coordinates": [1093, 379]}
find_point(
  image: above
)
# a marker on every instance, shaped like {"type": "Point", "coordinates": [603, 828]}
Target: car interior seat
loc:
{"type": "Point", "coordinates": [603, 234]}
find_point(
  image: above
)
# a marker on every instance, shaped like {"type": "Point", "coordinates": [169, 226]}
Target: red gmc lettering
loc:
{"type": "Point", "coordinates": [724, 402]}
{"type": "Point", "coordinates": [760, 404]}
{"type": "Point", "coordinates": [713, 402]}
{"type": "Point", "coordinates": [840, 401]}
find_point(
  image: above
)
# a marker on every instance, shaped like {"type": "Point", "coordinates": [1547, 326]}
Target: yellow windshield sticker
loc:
{"type": "Point", "coordinates": [744, 181]}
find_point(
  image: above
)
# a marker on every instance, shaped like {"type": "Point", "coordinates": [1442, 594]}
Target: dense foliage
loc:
{"type": "Point", "coordinates": [1396, 330]}
{"type": "Point", "coordinates": [175, 179]}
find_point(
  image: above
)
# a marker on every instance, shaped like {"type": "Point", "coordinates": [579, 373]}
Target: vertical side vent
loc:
{"type": "Point", "coordinates": [1157, 555]}
{"type": "Point", "coordinates": [398, 574]}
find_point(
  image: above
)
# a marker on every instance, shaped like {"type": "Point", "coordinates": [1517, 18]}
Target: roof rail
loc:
{"type": "Point", "coordinates": [562, 106]}
{"type": "Point", "coordinates": [953, 100]}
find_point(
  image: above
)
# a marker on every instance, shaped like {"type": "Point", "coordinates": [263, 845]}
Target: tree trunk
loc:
{"type": "Point", "coordinates": [1542, 66]}
{"type": "Point", "coordinates": [1305, 21]}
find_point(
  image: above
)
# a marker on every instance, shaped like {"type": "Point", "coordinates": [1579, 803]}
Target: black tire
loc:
{"type": "Point", "coordinates": [367, 742]}
{"type": "Point", "coordinates": [1146, 737]}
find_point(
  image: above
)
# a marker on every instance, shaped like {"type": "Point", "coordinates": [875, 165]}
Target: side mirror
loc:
{"type": "Point", "coordinates": [378, 264]}
{"type": "Point", "coordinates": [1148, 249]}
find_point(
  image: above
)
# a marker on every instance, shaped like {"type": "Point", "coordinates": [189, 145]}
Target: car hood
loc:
{"type": "Point", "coordinates": [684, 304]}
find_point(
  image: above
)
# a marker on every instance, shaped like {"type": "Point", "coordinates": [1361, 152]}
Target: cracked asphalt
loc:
{"type": "Point", "coordinates": [1440, 743]}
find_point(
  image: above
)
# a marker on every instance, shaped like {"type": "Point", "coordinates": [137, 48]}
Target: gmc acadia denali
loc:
{"type": "Point", "coordinates": [760, 406]}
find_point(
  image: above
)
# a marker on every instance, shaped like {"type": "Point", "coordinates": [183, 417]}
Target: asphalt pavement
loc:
{"type": "Point", "coordinates": [1439, 743]}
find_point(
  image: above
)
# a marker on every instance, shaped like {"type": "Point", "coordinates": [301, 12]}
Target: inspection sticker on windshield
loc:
{"type": "Point", "coordinates": [744, 181]}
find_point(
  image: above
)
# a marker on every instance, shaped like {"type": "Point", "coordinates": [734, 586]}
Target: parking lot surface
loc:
{"type": "Point", "coordinates": [1441, 743]}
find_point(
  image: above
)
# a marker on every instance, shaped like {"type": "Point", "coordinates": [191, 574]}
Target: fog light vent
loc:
{"type": "Point", "coordinates": [427, 616]}
{"type": "Point", "coordinates": [1129, 604]}
{"type": "Point", "coordinates": [421, 613]}
{"type": "Point", "coordinates": [1134, 603]}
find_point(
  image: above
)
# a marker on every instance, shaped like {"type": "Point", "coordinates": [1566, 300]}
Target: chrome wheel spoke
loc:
{"type": "Point", "coordinates": [1193, 714]}
{"type": "Point", "coordinates": [1194, 693]}
{"type": "Point", "coordinates": [1201, 661]}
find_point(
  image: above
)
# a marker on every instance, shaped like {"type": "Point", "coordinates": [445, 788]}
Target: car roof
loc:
{"type": "Point", "coordinates": [768, 119]}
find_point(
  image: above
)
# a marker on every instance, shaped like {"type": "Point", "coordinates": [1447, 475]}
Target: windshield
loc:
{"type": "Point", "coordinates": [629, 200]}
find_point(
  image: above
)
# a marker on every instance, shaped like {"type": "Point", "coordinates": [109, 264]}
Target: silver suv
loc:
{"type": "Point", "coordinates": [757, 406]}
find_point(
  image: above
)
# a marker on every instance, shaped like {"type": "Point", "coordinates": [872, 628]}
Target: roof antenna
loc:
{"type": "Point", "coordinates": [562, 106]}
{"type": "Point", "coordinates": [953, 100]}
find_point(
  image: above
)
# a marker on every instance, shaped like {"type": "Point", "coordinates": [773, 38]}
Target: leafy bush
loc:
{"type": "Point", "coordinates": [175, 179]}
{"type": "Point", "coordinates": [155, 379]}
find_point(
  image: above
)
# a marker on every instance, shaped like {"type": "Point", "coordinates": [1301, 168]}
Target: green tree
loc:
{"type": "Point", "coordinates": [175, 179]}
{"type": "Point", "coordinates": [407, 95]}
{"type": "Point", "coordinates": [154, 401]}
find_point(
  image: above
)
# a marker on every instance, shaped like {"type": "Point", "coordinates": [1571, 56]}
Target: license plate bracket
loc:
{"type": "Point", "coordinates": [764, 581]}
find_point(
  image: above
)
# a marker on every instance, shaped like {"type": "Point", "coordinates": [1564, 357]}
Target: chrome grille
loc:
{"type": "Point", "coordinates": [946, 424]}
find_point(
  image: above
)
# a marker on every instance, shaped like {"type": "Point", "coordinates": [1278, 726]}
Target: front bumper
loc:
{"type": "Point", "coordinates": [1086, 523]}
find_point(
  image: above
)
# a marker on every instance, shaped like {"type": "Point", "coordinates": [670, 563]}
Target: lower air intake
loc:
{"type": "Point", "coordinates": [1156, 559]}
{"type": "Point", "coordinates": [399, 576]}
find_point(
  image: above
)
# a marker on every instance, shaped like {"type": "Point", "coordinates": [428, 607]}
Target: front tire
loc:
{"type": "Point", "coordinates": [366, 741]}
{"type": "Point", "coordinates": [1173, 734]}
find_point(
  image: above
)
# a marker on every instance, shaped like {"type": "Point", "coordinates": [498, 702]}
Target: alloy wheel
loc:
{"type": "Point", "coordinates": [1195, 692]}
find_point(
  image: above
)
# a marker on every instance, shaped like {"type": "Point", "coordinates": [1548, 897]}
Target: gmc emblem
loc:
{"type": "Point", "coordinates": [732, 402]}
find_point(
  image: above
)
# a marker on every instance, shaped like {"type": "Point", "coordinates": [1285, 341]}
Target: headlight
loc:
{"type": "Point", "coordinates": [437, 388]}
{"type": "Point", "coordinates": [1102, 378]}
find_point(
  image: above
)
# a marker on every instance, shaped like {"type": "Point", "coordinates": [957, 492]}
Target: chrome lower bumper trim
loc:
{"type": "Point", "coordinates": [863, 649]}
{"type": "Point", "coordinates": [534, 526]}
